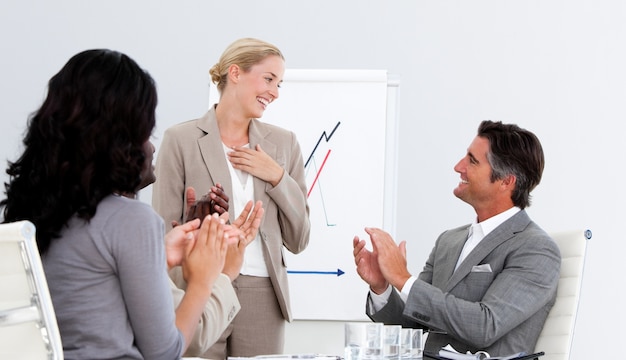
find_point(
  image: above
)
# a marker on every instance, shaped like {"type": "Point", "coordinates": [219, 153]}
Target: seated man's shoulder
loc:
{"type": "Point", "coordinates": [537, 240]}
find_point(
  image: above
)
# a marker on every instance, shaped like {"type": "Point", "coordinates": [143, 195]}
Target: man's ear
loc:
{"type": "Point", "coordinates": [509, 181]}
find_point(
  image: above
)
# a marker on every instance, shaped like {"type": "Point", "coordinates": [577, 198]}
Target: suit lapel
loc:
{"type": "Point", "coordinates": [502, 233]}
{"type": "Point", "coordinates": [451, 253]}
{"type": "Point", "coordinates": [213, 155]}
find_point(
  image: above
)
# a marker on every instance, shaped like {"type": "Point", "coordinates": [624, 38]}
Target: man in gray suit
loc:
{"type": "Point", "coordinates": [488, 285]}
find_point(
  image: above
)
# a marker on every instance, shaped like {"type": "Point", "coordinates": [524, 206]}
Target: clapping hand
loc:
{"type": "Point", "coordinates": [206, 254]}
{"type": "Point", "coordinates": [216, 201]}
{"type": "Point", "coordinates": [367, 266]}
{"type": "Point", "coordinates": [241, 233]}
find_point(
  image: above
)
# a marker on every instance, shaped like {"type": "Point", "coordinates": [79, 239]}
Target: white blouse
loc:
{"type": "Point", "coordinates": [243, 191]}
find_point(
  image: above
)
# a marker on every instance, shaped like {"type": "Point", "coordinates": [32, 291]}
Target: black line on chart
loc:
{"type": "Point", "coordinates": [322, 137]}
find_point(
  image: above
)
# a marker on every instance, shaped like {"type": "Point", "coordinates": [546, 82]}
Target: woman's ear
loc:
{"type": "Point", "coordinates": [233, 73]}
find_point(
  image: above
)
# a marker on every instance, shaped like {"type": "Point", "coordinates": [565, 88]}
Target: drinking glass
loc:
{"type": "Point", "coordinates": [363, 341]}
{"type": "Point", "coordinates": [410, 344]}
{"type": "Point", "coordinates": [391, 342]}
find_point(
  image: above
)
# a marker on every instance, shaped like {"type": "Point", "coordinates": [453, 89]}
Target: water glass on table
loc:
{"type": "Point", "coordinates": [363, 341]}
{"type": "Point", "coordinates": [411, 344]}
{"type": "Point", "coordinates": [391, 342]}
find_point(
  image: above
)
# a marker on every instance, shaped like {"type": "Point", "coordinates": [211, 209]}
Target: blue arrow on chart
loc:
{"type": "Point", "coordinates": [338, 272]}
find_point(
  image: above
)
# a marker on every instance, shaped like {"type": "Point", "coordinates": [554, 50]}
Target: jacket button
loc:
{"type": "Point", "coordinates": [421, 317]}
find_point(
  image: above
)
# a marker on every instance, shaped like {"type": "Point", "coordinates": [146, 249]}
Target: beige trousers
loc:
{"type": "Point", "coordinates": [258, 328]}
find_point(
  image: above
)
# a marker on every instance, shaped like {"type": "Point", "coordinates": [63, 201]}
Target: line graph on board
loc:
{"type": "Point", "coordinates": [311, 164]}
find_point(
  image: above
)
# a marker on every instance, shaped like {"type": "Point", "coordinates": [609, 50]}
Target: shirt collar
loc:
{"type": "Point", "coordinates": [493, 222]}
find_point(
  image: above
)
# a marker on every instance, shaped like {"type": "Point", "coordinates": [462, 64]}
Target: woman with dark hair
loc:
{"type": "Point", "coordinates": [103, 253]}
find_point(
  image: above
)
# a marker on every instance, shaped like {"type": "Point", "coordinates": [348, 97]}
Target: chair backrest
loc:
{"type": "Point", "coordinates": [28, 326]}
{"type": "Point", "coordinates": [558, 331]}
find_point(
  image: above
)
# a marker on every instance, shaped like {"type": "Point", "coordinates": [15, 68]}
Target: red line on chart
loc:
{"type": "Point", "coordinates": [318, 174]}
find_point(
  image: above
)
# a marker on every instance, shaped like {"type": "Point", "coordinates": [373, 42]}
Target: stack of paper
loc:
{"type": "Point", "coordinates": [450, 353]}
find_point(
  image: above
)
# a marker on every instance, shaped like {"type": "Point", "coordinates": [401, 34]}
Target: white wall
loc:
{"type": "Point", "coordinates": [555, 67]}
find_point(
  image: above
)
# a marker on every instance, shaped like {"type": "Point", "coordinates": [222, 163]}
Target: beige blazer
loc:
{"type": "Point", "coordinates": [191, 154]}
{"type": "Point", "coordinates": [218, 312]}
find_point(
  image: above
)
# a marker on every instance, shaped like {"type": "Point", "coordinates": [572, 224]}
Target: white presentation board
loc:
{"type": "Point", "coordinates": [340, 118]}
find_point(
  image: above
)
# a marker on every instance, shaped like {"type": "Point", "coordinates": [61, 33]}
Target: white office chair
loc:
{"type": "Point", "coordinates": [28, 326]}
{"type": "Point", "coordinates": [558, 331]}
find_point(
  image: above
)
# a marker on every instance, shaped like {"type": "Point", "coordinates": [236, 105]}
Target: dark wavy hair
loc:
{"type": "Point", "coordinates": [514, 151]}
{"type": "Point", "coordinates": [83, 144]}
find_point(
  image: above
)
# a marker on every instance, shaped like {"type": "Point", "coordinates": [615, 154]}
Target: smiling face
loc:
{"type": "Point", "coordinates": [259, 86]}
{"type": "Point", "coordinates": [487, 197]}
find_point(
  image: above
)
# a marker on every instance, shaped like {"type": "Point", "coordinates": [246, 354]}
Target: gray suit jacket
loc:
{"type": "Point", "coordinates": [192, 154]}
{"type": "Point", "coordinates": [501, 311]}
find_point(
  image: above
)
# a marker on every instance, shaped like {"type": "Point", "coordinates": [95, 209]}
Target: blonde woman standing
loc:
{"type": "Point", "coordinates": [253, 161]}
